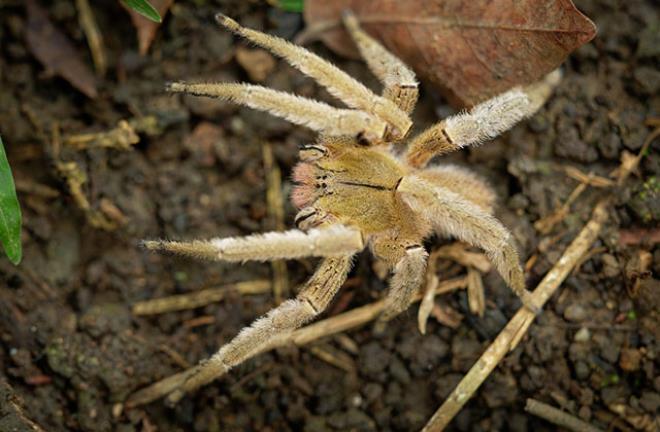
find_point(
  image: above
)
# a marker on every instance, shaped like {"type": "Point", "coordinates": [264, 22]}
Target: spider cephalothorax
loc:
{"type": "Point", "coordinates": [363, 184]}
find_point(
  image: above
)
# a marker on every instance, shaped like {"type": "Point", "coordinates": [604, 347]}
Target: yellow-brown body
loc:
{"type": "Point", "coordinates": [355, 185]}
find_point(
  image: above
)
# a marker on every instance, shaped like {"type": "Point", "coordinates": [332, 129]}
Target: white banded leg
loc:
{"type": "Point", "coordinates": [313, 299]}
{"type": "Point", "coordinates": [310, 113]}
{"type": "Point", "coordinates": [452, 215]}
{"type": "Point", "coordinates": [400, 83]}
{"type": "Point", "coordinates": [333, 241]}
{"type": "Point", "coordinates": [409, 274]}
{"type": "Point", "coordinates": [483, 122]}
{"type": "Point", "coordinates": [338, 82]}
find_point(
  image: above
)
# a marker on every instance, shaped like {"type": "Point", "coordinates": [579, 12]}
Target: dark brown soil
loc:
{"type": "Point", "coordinates": [71, 351]}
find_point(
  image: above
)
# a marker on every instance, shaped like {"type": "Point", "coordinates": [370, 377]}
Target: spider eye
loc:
{"type": "Point", "coordinates": [310, 152]}
{"type": "Point", "coordinates": [394, 133]}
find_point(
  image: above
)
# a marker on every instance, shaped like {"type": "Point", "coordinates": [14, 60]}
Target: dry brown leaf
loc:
{"type": "Point", "coordinates": [56, 52]}
{"type": "Point", "coordinates": [146, 29]}
{"type": "Point", "coordinates": [469, 49]}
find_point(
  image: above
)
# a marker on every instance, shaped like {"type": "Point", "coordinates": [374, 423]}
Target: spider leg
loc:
{"type": "Point", "coordinates": [451, 214]}
{"type": "Point", "coordinates": [313, 114]}
{"type": "Point", "coordinates": [409, 273]}
{"type": "Point", "coordinates": [483, 122]}
{"type": "Point", "coordinates": [313, 299]}
{"type": "Point", "coordinates": [399, 81]}
{"type": "Point", "coordinates": [333, 241]}
{"type": "Point", "coordinates": [338, 82]}
{"type": "Point", "coordinates": [462, 181]}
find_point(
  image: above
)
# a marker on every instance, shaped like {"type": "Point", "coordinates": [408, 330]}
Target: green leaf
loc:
{"type": "Point", "coordinates": [291, 5]}
{"type": "Point", "coordinates": [10, 211]}
{"type": "Point", "coordinates": [144, 8]}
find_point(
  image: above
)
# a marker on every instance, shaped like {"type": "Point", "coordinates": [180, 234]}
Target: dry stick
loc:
{"type": "Point", "coordinates": [558, 417]}
{"type": "Point", "coordinates": [545, 225]}
{"type": "Point", "coordinates": [275, 204]}
{"type": "Point", "coordinates": [121, 137]}
{"type": "Point", "coordinates": [629, 163]}
{"type": "Point", "coordinates": [475, 292]}
{"type": "Point", "coordinates": [434, 288]}
{"type": "Point", "coordinates": [199, 298]}
{"type": "Point", "coordinates": [509, 337]}
{"type": "Point", "coordinates": [334, 357]}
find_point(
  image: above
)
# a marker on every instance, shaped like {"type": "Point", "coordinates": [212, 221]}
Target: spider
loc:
{"type": "Point", "coordinates": [362, 184]}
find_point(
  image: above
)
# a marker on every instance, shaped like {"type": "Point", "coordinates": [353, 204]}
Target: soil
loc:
{"type": "Point", "coordinates": [71, 351]}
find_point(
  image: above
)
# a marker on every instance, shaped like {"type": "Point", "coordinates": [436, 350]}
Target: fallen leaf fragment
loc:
{"type": "Point", "coordinates": [470, 50]}
{"type": "Point", "coordinates": [146, 28]}
{"type": "Point", "coordinates": [56, 52]}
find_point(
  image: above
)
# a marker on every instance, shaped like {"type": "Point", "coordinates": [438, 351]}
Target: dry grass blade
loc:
{"type": "Point", "coordinates": [630, 162]}
{"type": "Point", "coordinates": [558, 417]}
{"type": "Point", "coordinates": [460, 253]}
{"type": "Point", "coordinates": [275, 202]}
{"type": "Point", "coordinates": [199, 298]}
{"type": "Point", "coordinates": [121, 138]}
{"type": "Point", "coordinates": [546, 224]}
{"type": "Point", "coordinates": [433, 288]}
{"type": "Point", "coordinates": [334, 357]}
{"type": "Point", "coordinates": [475, 291]}
{"type": "Point", "coordinates": [518, 325]}
{"type": "Point", "coordinates": [93, 34]}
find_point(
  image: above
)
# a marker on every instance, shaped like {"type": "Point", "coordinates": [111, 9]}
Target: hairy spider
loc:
{"type": "Point", "coordinates": [363, 184]}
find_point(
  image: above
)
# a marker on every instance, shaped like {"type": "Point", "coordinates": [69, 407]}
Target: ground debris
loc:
{"type": "Point", "coordinates": [54, 50]}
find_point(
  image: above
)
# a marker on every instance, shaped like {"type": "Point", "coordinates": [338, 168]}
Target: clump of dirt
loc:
{"type": "Point", "coordinates": [71, 350]}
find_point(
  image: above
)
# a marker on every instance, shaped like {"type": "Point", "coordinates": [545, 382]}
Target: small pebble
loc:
{"type": "Point", "coordinates": [582, 370]}
{"type": "Point", "coordinates": [585, 413]}
{"type": "Point", "coordinates": [582, 335]}
{"type": "Point", "coordinates": [650, 401]}
{"type": "Point", "coordinates": [630, 359]}
{"type": "Point", "coordinates": [575, 312]}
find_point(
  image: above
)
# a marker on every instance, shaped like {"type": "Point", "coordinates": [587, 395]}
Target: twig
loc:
{"type": "Point", "coordinates": [12, 408]}
{"type": "Point", "coordinates": [175, 356]}
{"type": "Point", "coordinates": [275, 204]}
{"type": "Point", "coordinates": [635, 418]}
{"type": "Point", "coordinates": [518, 325]}
{"type": "Point", "coordinates": [558, 417]}
{"type": "Point", "coordinates": [333, 356]}
{"type": "Point", "coordinates": [545, 225]}
{"type": "Point", "coordinates": [446, 315]}
{"type": "Point", "coordinates": [613, 422]}
{"type": "Point", "coordinates": [37, 189]}
{"type": "Point", "coordinates": [75, 180]}
{"type": "Point", "coordinates": [629, 162]}
{"type": "Point", "coordinates": [433, 288]}
{"type": "Point", "coordinates": [590, 179]}
{"type": "Point", "coordinates": [475, 292]}
{"type": "Point", "coordinates": [627, 237]}
{"type": "Point", "coordinates": [199, 321]}
{"type": "Point", "coordinates": [93, 34]}
{"type": "Point", "coordinates": [121, 137]}
{"type": "Point", "coordinates": [199, 298]}
{"type": "Point", "coordinates": [459, 253]}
